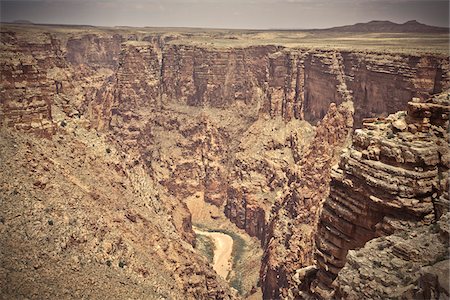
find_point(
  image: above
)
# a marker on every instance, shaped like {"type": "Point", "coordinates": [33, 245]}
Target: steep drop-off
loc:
{"type": "Point", "coordinates": [395, 172]}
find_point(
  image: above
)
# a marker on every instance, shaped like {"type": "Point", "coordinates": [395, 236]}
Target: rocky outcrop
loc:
{"type": "Point", "coordinates": [412, 264]}
{"type": "Point", "coordinates": [396, 170]}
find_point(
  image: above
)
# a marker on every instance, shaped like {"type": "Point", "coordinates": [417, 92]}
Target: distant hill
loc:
{"type": "Point", "coordinates": [22, 22]}
{"type": "Point", "coordinates": [388, 26]}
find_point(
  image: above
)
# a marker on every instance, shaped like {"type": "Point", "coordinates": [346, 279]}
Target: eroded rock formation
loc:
{"type": "Point", "coordinates": [396, 170]}
{"type": "Point", "coordinates": [411, 264]}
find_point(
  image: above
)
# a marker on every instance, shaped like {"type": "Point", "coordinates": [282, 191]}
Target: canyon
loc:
{"type": "Point", "coordinates": [325, 161]}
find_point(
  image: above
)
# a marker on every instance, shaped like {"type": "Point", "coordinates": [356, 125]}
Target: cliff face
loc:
{"type": "Point", "coordinates": [374, 78]}
{"type": "Point", "coordinates": [290, 234]}
{"type": "Point", "coordinates": [214, 77]}
{"type": "Point", "coordinates": [100, 51]}
{"type": "Point", "coordinates": [396, 171]}
{"type": "Point", "coordinates": [291, 83]}
{"type": "Point", "coordinates": [286, 84]}
{"type": "Point", "coordinates": [112, 235]}
{"type": "Point", "coordinates": [27, 92]}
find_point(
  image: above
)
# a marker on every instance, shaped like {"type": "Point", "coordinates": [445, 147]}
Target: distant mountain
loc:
{"type": "Point", "coordinates": [388, 26]}
{"type": "Point", "coordinates": [22, 22]}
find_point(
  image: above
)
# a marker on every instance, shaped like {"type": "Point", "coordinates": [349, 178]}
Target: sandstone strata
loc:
{"type": "Point", "coordinates": [396, 170]}
{"type": "Point", "coordinates": [292, 83]}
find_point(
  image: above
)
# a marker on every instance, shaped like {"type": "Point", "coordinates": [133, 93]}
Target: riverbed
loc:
{"type": "Point", "coordinates": [222, 253]}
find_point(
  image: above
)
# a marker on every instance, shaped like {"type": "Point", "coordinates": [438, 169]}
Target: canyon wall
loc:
{"type": "Point", "coordinates": [26, 92]}
{"type": "Point", "coordinates": [292, 83]}
{"type": "Point", "coordinates": [395, 172]}
{"type": "Point", "coordinates": [383, 84]}
{"type": "Point", "coordinates": [290, 234]}
{"type": "Point", "coordinates": [101, 214]}
{"type": "Point", "coordinates": [215, 77]}
{"type": "Point", "coordinates": [392, 179]}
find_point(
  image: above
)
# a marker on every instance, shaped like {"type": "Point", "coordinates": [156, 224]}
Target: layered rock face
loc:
{"type": "Point", "coordinates": [134, 93]}
{"type": "Point", "coordinates": [374, 78]}
{"type": "Point", "coordinates": [26, 91]}
{"type": "Point", "coordinates": [288, 82]}
{"type": "Point", "coordinates": [396, 171]}
{"type": "Point", "coordinates": [215, 77]}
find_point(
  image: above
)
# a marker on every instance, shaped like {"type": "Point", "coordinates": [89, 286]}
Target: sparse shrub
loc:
{"type": "Point", "coordinates": [122, 264]}
{"type": "Point", "coordinates": [63, 123]}
{"type": "Point", "coordinates": [108, 150]}
{"type": "Point", "coordinates": [390, 135]}
{"type": "Point", "coordinates": [206, 246]}
{"type": "Point", "coordinates": [50, 222]}
{"type": "Point", "coordinates": [108, 263]}
{"type": "Point", "coordinates": [376, 264]}
{"type": "Point", "coordinates": [236, 283]}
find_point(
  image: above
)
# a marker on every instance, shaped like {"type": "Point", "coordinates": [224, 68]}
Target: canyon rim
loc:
{"type": "Point", "coordinates": [141, 163]}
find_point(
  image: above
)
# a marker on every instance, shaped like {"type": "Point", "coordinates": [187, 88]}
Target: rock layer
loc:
{"type": "Point", "coordinates": [292, 83]}
{"type": "Point", "coordinates": [396, 170]}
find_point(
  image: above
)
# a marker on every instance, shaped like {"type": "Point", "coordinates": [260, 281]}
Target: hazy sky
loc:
{"type": "Point", "coordinates": [262, 14]}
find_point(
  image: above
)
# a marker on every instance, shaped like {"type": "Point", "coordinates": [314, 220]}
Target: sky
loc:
{"type": "Point", "coordinates": [244, 14]}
